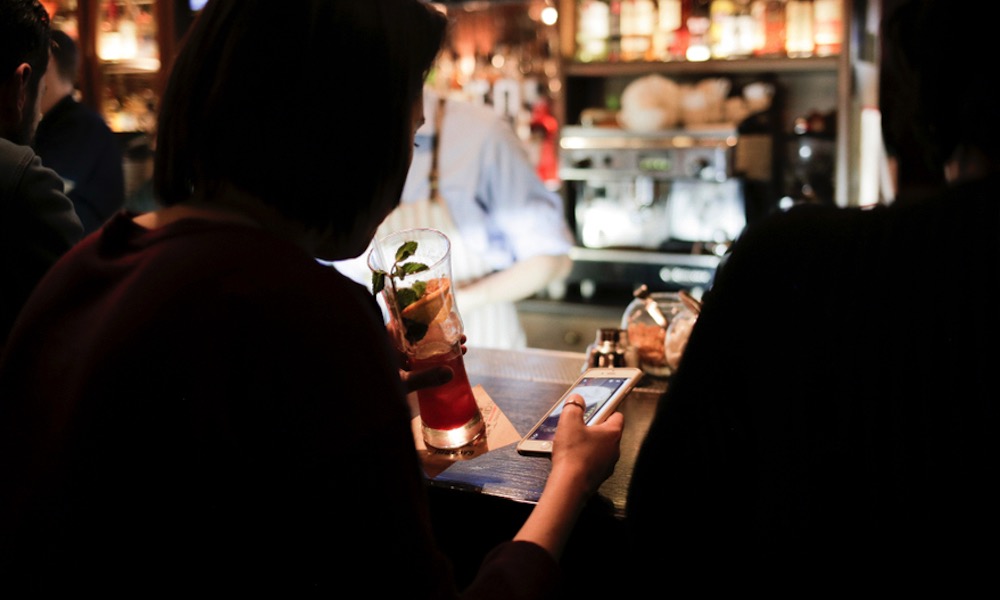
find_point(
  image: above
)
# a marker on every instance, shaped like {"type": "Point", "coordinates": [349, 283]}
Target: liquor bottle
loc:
{"type": "Point", "coordinates": [638, 21]}
{"type": "Point", "coordinates": [722, 28]}
{"type": "Point", "coordinates": [108, 38]}
{"type": "Point", "coordinates": [827, 26]}
{"type": "Point", "coordinates": [698, 24]}
{"type": "Point", "coordinates": [799, 42]}
{"type": "Point", "coordinates": [645, 26]}
{"type": "Point", "coordinates": [668, 22]}
{"type": "Point", "coordinates": [682, 38]}
{"type": "Point", "coordinates": [614, 30]}
{"type": "Point", "coordinates": [129, 33]}
{"type": "Point", "coordinates": [769, 20]}
{"type": "Point", "coordinates": [593, 30]}
{"type": "Point", "coordinates": [743, 31]}
{"type": "Point", "coordinates": [145, 22]}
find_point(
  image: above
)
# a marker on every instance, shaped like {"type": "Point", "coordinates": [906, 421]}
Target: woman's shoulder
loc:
{"type": "Point", "coordinates": [808, 228]}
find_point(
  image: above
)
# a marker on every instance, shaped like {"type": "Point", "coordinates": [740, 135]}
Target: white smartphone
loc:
{"type": "Point", "coordinates": [602, 390]}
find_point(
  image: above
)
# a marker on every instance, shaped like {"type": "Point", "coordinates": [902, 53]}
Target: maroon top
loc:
{"type": "Point", "coordinates": [206, 406]}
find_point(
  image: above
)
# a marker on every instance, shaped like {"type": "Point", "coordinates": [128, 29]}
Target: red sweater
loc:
{"type": "Point", "coordinates": [205, 406]}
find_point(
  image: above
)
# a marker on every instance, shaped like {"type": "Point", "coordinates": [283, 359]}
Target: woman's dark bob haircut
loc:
{"type": "Point", "coordinates": [305, 104]}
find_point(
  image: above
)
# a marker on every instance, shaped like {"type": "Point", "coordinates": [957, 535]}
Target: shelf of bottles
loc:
{"type": "Point", "coordinates": [64, 16]}
{"type": "Point", "coordinates": [128, 55]}
{"type": "Point", "coordinates": [815, 54]}
{"type": "Point", "coordinates": [705, 36]}
{"type": "Point", "coordinates": [505, 55]}
{"type": "Point", "coordinates": [119, 44]}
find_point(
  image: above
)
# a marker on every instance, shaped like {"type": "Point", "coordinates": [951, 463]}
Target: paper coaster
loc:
{"type": "Point", "coordinates": [499, 432]}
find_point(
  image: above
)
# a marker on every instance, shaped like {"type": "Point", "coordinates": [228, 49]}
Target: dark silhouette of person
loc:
{"type": "Point", "coordinates": [76, 142]}
{"type": "Point", "coordinates": [833, 421]}
{"type": "Point", "coordinates": [192, 401]}
{"type": "Point", "coordinates": [37, 221]}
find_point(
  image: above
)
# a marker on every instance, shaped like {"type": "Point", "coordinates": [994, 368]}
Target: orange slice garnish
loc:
{"type": "Point", "coordinates": [428, 306]}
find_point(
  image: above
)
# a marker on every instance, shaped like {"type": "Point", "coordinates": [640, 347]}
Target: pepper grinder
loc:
{"type": "Point", "coordinates": [606, 351]}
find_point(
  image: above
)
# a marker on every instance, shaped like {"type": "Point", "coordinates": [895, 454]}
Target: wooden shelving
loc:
{"type": "Point", "coordinates": [828, 64]}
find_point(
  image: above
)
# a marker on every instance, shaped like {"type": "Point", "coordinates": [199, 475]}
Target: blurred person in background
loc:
{"type": "Point", "coordinates": [514, 233]}
{"type": "Point", "coordinates": [37, 222]}
{"type": "Point", "coordinates": [833, 421]}
{"type": "Point", "coordinates": [191, 401]}
{"type": "Point", "coordinates": [512, 238]}
{"type": "Point", "coordinates": [76, 142]}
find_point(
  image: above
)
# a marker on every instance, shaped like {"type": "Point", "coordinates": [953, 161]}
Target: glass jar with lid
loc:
{"type": "Point", "coordinates": [647, 321]}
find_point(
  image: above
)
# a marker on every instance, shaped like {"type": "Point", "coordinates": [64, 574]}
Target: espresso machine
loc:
{"type": "Point", "coordinates": [657, 208]}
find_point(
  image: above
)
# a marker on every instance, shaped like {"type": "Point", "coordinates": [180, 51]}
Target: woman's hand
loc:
{"type": "Point", "coordinates": [582, 458]}
{"type": "Point", "coordinates": [588, 453]}
{"type": "Point", "coordinates": [418, 380]}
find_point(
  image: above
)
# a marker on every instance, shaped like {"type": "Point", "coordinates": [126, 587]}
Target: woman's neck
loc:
{"type": "Point", "coordinates": [189, 210]}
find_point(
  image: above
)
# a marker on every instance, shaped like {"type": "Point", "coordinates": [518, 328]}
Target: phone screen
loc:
{"type": "Point", "coordinates": [596, 392]}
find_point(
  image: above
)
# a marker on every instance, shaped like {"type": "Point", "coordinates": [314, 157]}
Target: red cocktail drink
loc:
{"type": "Point", "coordinates": [412, 271]}
{"type": "Point", "coordinates": [449, 412]}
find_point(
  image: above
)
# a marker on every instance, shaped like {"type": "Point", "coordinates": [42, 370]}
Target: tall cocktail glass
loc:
{"type": "Point", "coordinates": [412, 270]}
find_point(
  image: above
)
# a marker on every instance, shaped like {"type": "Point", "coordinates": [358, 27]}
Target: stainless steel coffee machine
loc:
{"type": "Point", "coordinates": [658, 208]}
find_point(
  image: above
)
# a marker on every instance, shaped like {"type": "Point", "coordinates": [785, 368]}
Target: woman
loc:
{"type": "Point", "coordinates": [193, 399]}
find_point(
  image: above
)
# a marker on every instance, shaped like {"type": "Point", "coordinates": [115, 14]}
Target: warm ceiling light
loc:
{"type": "Point", "coordinates": [550, 15]}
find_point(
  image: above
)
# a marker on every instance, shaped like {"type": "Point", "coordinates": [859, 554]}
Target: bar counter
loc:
{"type": "Point", "coordinates": [524, 385]}
{"type": "Point", "coordinates": [482, 501]}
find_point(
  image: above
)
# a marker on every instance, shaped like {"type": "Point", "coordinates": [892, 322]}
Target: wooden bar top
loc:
{"type": "Point", "coordinates": [524, 384]}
